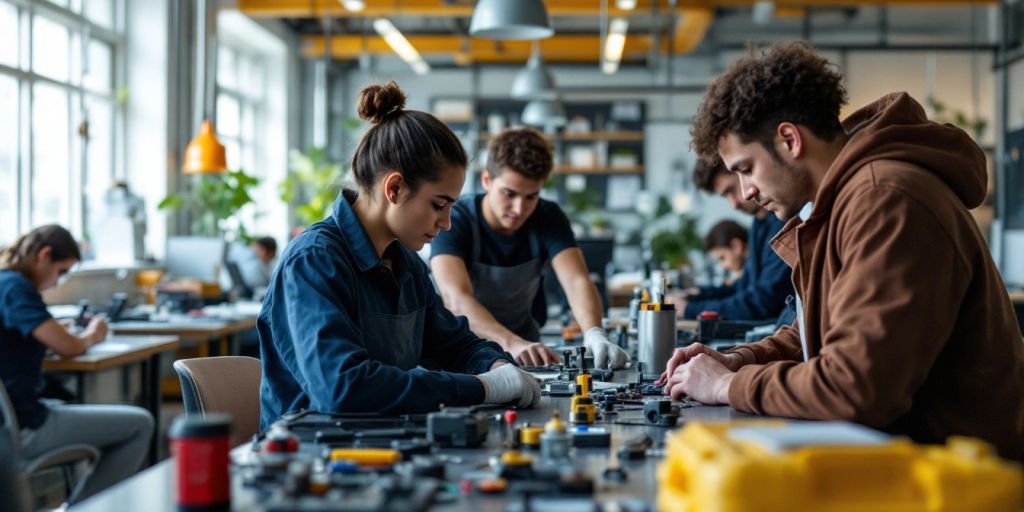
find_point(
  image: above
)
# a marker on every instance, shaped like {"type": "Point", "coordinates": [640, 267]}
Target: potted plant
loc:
{"type": "Point", "coordinates": [672, 236]}
{"type": "Point", "coordinates": [214, 200]}
{"type": "Point", "coordinates": [312, 184]}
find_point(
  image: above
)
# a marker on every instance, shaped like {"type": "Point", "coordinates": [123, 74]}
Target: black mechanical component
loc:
{"type": "Point", "coordinates": [615, 474]}
{"type": "Point", "coordinates": [635, 448]}
{"type": "Point", "coordinates": [660, 412]}
{"type": "Point", "coordinates": [457, 427]}
{"type": "Point", "coordinates": [591, 438]}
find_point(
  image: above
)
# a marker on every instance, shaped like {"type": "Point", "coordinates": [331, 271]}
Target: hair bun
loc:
{"type": "Point", "coordinates": [378, 102]}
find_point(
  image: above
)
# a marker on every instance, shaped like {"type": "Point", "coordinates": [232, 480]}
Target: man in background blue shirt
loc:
{"type": "Point", "coordinates": [760, 293]}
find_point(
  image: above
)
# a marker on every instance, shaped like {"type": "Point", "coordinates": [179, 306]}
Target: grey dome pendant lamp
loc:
{"type": "Point", "coordinates": [534, 82]}
{"type": "Point", "coordinates": [508, 20]}
{"type": "Point", "coordinates": [544, 114]}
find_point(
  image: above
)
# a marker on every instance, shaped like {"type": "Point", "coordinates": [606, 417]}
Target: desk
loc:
{"type": "Point", "coordinates": [119, 351]}
{"type": "Point", "coordinates": [153, 490]}
{"type": "Point", "coordinates": [203, 330]}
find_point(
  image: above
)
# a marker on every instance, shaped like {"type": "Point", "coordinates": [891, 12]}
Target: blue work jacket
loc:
{"type": "Point", "coordinates": [760, 293]}
{"type": "Point", "coordinates": [340, 332]}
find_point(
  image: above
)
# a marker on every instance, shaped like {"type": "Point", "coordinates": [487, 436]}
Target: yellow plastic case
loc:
{"type": "Point", "coordinates": [708, 467]}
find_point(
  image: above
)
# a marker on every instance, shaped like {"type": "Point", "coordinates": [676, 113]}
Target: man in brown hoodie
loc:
{"type": "Point", "coordinates": [904, 323]}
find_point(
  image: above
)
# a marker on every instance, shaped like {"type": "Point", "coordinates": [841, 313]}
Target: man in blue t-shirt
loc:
{"type": "Point", "coordinates": [488, 266]}
{"type": "Point", "coordinates": [760, 292]}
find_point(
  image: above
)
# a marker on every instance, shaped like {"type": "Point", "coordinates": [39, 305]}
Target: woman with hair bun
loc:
{"type": "Point", "coordinates": [351, 321]}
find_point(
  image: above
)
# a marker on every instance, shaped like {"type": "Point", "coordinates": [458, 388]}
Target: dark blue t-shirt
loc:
{"type": "Point", "coordinates": [21, 357]}
{"type": "Point", "coordinates": [548, 221]}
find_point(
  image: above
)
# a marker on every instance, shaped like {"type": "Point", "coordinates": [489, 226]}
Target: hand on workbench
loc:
{"type": "Point", "coordinates": [682, 355]}
{"type": "Point", "coordinates": [606, 353]}
{"type": "Point", "coordinates": [97, 329]}
{"type": "Point", "coordinates": [508, 383]}
{"type": "Point", "coordinates": [533, 354]}
{"type": "Point", "coordinates": [703, 378]}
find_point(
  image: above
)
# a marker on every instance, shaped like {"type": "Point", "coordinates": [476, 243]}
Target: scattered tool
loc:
{"type": "Point", "coordinates": [555, 441]}
{"type": "Point", "coordinates": [660, 412]}
{"type": "Point", "coordinates": [635, 448]}
{"type": "Point", "coordinates": [458, 427]}
{"type": "Point", "coordinates": [582, 406]}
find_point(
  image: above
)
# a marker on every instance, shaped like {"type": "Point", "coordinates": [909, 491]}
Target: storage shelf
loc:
{"type": "Point", "coordinates": [569, 169]}
{"type": "Point", "coordinates": [616, 136]}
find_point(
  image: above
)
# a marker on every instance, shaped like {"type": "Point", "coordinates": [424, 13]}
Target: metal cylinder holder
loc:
{"type": "Point", "coordinates": [656, 335]}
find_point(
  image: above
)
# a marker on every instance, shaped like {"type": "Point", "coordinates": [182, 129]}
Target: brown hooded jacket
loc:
{"type": "Point", "coordinates": [909, 326]}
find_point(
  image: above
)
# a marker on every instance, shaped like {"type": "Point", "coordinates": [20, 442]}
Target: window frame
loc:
{"type": "Point", "coordinates": [84, 31]}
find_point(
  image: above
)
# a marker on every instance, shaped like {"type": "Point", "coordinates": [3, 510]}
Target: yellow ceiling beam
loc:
{"type": "Point", "coordinates": [556, 8]}
{"type": "Point", "coordinates": [564, 48]}
{"type": "Point", "coordinates": [691, 25]}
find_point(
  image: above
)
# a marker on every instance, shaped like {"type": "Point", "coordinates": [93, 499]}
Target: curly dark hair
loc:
{"type": "Point", "coordinates": [788, 82]}
{"type": "Point", "coordinates": [704, 173]}
{"type": "Point", "coordinates": [520, 150]}
{"type": "Point", "coordinates": [723, 233]}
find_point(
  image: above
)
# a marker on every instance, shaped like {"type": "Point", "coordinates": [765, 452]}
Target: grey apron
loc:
{"type": "Point", "coordinates": [507, 292]}
{"type": "Point", "coordinates": [394, 340]}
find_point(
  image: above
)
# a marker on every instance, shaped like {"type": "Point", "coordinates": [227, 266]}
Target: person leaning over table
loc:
{"type": "Point", "coordinates": [351, 321]}
{"type": "Point", "coordinates": [490, 265]}
{"type": "Point", "coordinates": [903, 321]}
{"type": "Point", "coordinates": [35, 262]}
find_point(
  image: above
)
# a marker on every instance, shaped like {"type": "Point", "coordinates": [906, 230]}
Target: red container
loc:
{"type": "Point", "coordinates": [200, 445]}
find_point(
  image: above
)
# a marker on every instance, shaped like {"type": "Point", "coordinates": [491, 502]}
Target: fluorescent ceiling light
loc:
{"type": "Point", "coordinates": [401, 45]}
{"type": "Point", "coordinates": [614, 44]}
{"type": "Point", "coordinates": [354, 5]}
{"type": "Point", "coordinates": [625, 5]}
{"type": "Point", "coordinates": [510, 20]}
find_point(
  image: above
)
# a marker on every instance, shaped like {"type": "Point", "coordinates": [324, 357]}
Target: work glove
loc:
{"type": "Point", "coordinates": [507, 383]}
{"type": "Point", "coordinates": [606, 353]}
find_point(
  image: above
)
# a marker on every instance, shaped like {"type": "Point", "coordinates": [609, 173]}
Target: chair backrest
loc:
{"type": "Point", "coordinates": [14, 495]}
{"type": "Point", "coordinates": [229, 384]}
{"type": "Point", "coordinates": [8, 420]}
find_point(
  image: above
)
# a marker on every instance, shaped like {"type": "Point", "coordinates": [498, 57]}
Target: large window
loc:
{"type": "Point", "coordinates": [58, 138]}
{"type": "Point", "coordinates": [251, 115]}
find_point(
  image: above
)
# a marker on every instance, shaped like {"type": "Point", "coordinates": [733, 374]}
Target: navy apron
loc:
{"type": "Point", "coordinates": [508, 292]}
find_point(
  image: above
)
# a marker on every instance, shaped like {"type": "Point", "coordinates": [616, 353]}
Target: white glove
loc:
{"type": "Point", "coordinates": [606, 353]}
{"type": "Point", "coordinates": [507, 383]}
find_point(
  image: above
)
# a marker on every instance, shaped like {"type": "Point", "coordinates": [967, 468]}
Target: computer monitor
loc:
{"type": "Point", "coordinates": [238, 284]}
{"type": "Point", "coordinates": [198, 257]}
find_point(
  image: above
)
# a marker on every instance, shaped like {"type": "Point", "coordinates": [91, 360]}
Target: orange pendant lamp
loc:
{"type": "Point", "coordinates": [205, 154]}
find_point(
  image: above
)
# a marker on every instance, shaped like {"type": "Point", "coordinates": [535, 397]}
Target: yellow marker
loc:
{"type": "Point", "coordinates": [366, 456]}
{"type": "Point", "coordinates": [582, 406]}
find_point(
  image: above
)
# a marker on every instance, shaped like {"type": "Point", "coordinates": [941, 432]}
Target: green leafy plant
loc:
{"type": "Point", "coordinates": [672, 243]}
{"type": "Point", "coordinates": [214, 199]}
{"type": "Point", "coordinates": [975, 127]}
{"type": "Point", "coordinates": [312, 184]}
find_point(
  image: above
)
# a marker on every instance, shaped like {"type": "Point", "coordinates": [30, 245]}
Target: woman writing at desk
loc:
{"type": "Point", "coordinates": [35, 262]}
{"type": "Point", "coordinates": [351, 321]}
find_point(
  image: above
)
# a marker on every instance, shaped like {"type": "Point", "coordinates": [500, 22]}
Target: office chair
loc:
{"type": "Point", "coordinates": [228, 384]}
{"type": "Point", "coordinates": [64, 458]}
